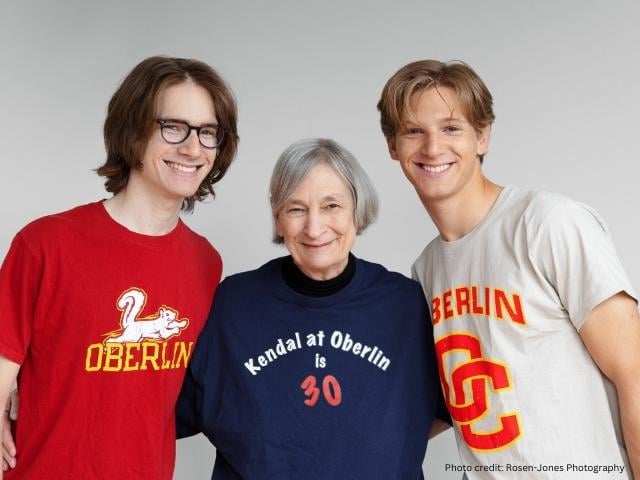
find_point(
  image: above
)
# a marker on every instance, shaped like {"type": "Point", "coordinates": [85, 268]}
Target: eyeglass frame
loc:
{"type": "Point", "coordinates": [163, 121]}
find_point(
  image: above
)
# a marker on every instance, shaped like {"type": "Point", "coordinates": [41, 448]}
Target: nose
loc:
{"type": "Point", "coordinates": [314, 224]}
{"type": "Point", "coordinates": [191, 145]}
{"type": "Point", "coordinates": [431, 145]}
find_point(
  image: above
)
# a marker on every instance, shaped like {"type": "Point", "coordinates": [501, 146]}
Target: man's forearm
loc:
{"type": "Point", "coordinates": [629, 398]}
{"type": "Point", "coordinates": [8, 374]}
{"type": "Point", "coordinates": [611, 334]}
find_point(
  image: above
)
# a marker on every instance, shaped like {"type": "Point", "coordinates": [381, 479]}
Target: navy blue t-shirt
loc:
{"type": "Point", "coordinates": [288, 386]}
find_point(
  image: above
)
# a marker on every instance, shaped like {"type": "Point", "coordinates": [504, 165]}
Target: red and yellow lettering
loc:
{"type": "Point", "coordinates": [446, 300]}
{"type": "Point", "coordinates": [508, 432]}
{"type": "Point", "coordinates": [475, 308]}
{"type": "Point", "coordinates": [514, 311]}
{"type": "Point", "coordinates": [477, 370]}
{"type": "Point", "coordinates": [436, 310]}
{"type": "Point", "coordinates": [487, 301]}
{"type": "Point", "coordinates": [466, 300]}
{"type": "Point", "coordinates": [462, 301]}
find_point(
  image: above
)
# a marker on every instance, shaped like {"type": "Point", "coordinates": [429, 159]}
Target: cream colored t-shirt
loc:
{"type": "Point", "coordinates": [507, 302]}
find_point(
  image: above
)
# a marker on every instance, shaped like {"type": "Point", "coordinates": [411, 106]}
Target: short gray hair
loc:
{"type": "Point", "coordinates": [300, 157]}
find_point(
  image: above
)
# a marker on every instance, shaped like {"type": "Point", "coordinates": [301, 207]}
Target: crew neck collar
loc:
{"type": "Point", "coordinates": [493, 211]}
{"type": "Point", "coordinates": [114, 228]}
{"type": "Point", "coordinates": [304, 285]}
{"type": "Point", "coordinates": [284, 290]}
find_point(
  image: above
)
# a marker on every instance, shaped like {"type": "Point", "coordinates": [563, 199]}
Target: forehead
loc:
{"type": "Point", "coordinates": [435, 103]}
{"type": "Point", "coordinates": [322, 180]}
{"type": "Point", "coordinates": [186, 101]}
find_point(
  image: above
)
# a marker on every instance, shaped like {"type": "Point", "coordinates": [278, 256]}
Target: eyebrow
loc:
{"type": "Point", "coordinates": [334, 196]}
{"type": "Point", "coordinates": [455, 119]}
{"type": "Point", "coordinates": [412, 123]}
{"type": "Point", "coordinates": [331, 196]}
{"type": "Point", "coordinates": [176, 119]}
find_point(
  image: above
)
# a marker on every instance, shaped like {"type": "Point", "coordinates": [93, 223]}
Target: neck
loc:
{"type": "Point", "coordinates": [305, 285]}
{"type": "Point", "coordinates": [324, 274]}
{"type": "Point", "coordinates": [143, 214]}
{"type": "Point", "coordinates": [459, 214]}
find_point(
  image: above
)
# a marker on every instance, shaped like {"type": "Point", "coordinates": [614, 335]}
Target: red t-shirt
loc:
{"type": "Point", "coordinates": [103, 321]}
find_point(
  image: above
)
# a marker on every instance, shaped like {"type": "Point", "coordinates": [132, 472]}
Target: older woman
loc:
{"type": "Point", "coordinates": [318, 365]}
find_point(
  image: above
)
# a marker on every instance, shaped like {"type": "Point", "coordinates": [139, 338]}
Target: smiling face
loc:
{"type": "Point", "coordinates": [174, 172]}
{"type": "Point", "coordinates": [439, 150]}
{"type": "Point", "coordinates": [317, 223]}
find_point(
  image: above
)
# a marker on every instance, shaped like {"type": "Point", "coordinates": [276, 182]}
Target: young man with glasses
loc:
{"type": "Point", "coordinates": [102, 304]}
{"type": "Point", "coordinates": [535, 322]}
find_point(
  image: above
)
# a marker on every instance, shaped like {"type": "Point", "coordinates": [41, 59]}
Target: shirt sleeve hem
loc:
{"type": "Point", "coordinates": [12, 354]}
{"type": "Point", "coordinates": [602, 298]}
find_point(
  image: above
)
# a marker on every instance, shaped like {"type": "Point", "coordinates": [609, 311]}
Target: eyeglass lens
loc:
{"type": "Point", "coordinates": [175, 131]}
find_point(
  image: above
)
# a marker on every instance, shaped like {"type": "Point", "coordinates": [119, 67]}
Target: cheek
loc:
{"type": "Point", "coordinates": [407, 148]}
{"type": "Point", "coordinates": [210, 158]}
{"type": "Point", "coordinates": [348, 229]}
{"type": "Point", "coordinates": [400, 151]}
{"type": "Point", "coordinates": [155, 150]}
{"type": "Point", "coordinates": [148, 156]}
{"type": "Point", "coordinates": [288, 230]}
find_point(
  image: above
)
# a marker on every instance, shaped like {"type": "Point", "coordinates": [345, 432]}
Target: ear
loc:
{"type": "Point", "coordinates": [391, 145]}
{"type": "Point", "coordinates": [276, 221]}
{"type": "Point", "coordinates": [483, 140]}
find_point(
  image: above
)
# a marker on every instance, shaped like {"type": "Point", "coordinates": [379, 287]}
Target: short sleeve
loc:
{"type": "Point", "coordinates": [440, 410]}
{"type": "Point", "coordinates": [439, 406]}
{"type": "Point", "coordinates": [576, 255]}
{"type": "Point", "coordinates": [20, 279]}
{"type": "Point", "coordinates": [189, 406]}
{"type": "Point", "coordinates": [199, 399]}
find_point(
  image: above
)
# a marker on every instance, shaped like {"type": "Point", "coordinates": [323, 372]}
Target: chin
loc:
{"type": "Point", "coordinates": [185, 191]}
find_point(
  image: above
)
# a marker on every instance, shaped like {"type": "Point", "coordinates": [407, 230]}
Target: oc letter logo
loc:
{"type": "Point", "coordinates": [479, 374]}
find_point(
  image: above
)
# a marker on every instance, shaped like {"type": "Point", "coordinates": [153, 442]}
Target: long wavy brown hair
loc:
{"type": "Point", "coordinates": [132, 112]}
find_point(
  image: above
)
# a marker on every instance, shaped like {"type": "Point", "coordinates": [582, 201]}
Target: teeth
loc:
{"type": "Point", "coordinates": [436, 168]}
{"type": "Point", "coordinates": [181, 168]}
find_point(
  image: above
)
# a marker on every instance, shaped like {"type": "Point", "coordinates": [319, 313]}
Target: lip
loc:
{"type": "Point", "coordinates": [434, 170]}
{"type": "Point", "coordinates": [169, 164]}
{"type": "Point", "coordinates": [316, 245]}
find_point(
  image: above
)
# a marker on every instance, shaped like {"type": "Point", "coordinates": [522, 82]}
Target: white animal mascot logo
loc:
{"type": "Point", "coordinates": [160, 326]}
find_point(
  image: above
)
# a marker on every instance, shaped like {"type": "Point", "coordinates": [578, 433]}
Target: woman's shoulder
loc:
{"type": "Point", "coordinates": [264, 274]}
{"type": "Point", "coordinates": [379, 275]}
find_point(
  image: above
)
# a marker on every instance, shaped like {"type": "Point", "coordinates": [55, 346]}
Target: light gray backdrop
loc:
{"type": "Point", "coordinates": [564, 75]}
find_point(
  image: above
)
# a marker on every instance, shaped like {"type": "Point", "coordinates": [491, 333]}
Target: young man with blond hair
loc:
{"type": "Point", "coordinates": [535, 321]}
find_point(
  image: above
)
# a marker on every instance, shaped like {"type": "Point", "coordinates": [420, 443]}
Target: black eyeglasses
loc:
{"type": "Point", "coordinates": [177, 131]}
